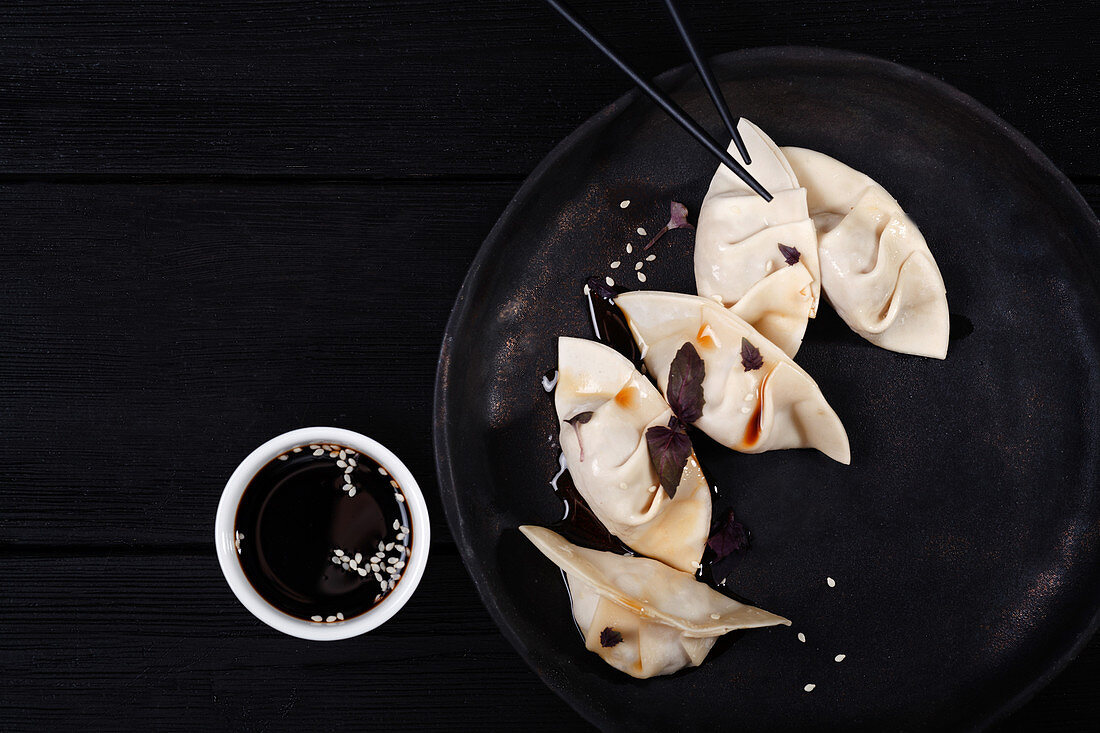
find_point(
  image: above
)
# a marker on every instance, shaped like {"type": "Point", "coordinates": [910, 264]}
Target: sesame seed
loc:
{"type": "Point", "coordinates": [330, 619]}
{"type": "Point", "coordinates": [353, 565]}
{"type": "Point", "coordinates": [801, 637]}
{"type": "Point", "coordinates": [340, 615]}
{"type": "Point", "coordinates": [283, 457]}
{"type": "Point", "coordinates": [347, 478]}
{"type": "Point", "coordinates": [381, 546]}
{"type": "Point", "coordinates": [389, 546]}
{"type": "Point", "coordinates": [315, 446]}
{"type": "Point", "coordinates": [361, 571]}
{"type": "Point", "coordinates": [358, 557]}
{"type": "Point", "coordinates": [715, 616]}
{"type": "Point", "coordinates": [335, 560]}
{"type": "Point", "coordinates": [615, 264]}
{"type": "Point", "coordinates": [839, 657]}
{"type": "Point", "coordinates": [641, 277]}
{"type": "Point", "coordinates": [609, 281]}
{"type": "Point", "coordinates": [651, 258]}
{"type": "Point", "coordinates": [343, 454]}
{"type": "Point", "coordinates": [382, 471]}
{"type": "Point", "coordinates": [333, 453]}
{"type": "Point", "coordinates": [392, 560]}
{"type": "Point", "coordinates": [375, 567]}
{"type": "Point", "coordinates": [809, 687]}
{"type": "Point", "coordinates": [624, 204]}
{"type": "Point", "coordinates": [399, 564]}
{"type": "Point", "coordinates": [351, 491]}
{"type": "Point", "coordinates": [639, 265]}
{"type": "Point", "coordinates": [342, 464]}
{"type": "Point", "coordinates": [378, 577]}
{"type": "Point", "coordinates": [404, 528]}
{"type": "Point", "coordinates": [351, 462]}
{"type": "Point", "coordinates": [399, 497]}
{"type": "Point", "coordinates": [318, 452]}
{"type": "Point", "coordinates": [831, 582]}
{"type": "Point", "coordinates": [339, 552]}
{"type": "Point", "coordinates": [394, 484]}
{"type": "Point", "coordinates": [401, 535]}
{"type": "Point", "coordinates": [641, 231]}
{"type": "Point", "coordinates": [297, 450]}
{"type": "Point", "coordinates": [629, 247]}
{"type": "Point", "coordinates": [396, 524]}
{"type": "Point", "coordinates": [345, 566]}
{"type": "Point", "coordinates": [349, 469]}
{"type": "Point", "coordinates": [315, 618]}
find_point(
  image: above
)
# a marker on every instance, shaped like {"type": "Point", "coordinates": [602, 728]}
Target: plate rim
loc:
{"type": "Point", "coordinates": [441, 433]}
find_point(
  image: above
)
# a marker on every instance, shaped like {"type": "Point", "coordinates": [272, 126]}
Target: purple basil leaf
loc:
{"type": "Point", "coordinates": [678, 216]}
{"type": "Point", "coordinates": [576, 421]}
{"type": "Point", "coordinates": [790, 254]}
{"type": "Point", "coordinates": [609, 637]}
{"type": "Point", "coordinates": [727, 537]}
{"type": "Point", "coordinates": [750, 356]}
{"type": "Point", "coordinates": [677, 219]}
{"type": "Point", "coordinates": [685, 384]}
{"type": "Point", "coordinates": [600, 287]}
{"type": "Point", "coordinates": [669, 449]}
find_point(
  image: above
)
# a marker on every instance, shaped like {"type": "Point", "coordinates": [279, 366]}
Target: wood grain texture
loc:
{"type": "Point", "coordinates": [159, 643]}
{"type": "Point", "coordinates": [433, 87]}
{"type": "Point", "coordinates": [153, 335]}
{"type": "Point", "coordinates": [225, 219]}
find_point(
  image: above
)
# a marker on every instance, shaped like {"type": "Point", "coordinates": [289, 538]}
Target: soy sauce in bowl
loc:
{"type": "Point", "coordinates": [323, 533]}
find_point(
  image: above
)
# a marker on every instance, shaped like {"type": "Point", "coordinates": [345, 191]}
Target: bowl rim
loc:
{"type": "Point", "coordinates": [225, 534]}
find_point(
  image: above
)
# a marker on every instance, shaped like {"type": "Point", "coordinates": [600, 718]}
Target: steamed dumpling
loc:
{"type": "Point", "coordinates": [608, 455]}
{"type": "Point", "coordinates": [777, 405]}
{"type": "Point", "coordinates": [876, 268]}
{"type": "Point", "coordinates": [738, 259]}
{"type": "Point", "coordinates": [667, 619]}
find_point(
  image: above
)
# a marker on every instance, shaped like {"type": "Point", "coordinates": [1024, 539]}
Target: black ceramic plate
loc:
{"type": "Point", "coordinates": [964, 536]}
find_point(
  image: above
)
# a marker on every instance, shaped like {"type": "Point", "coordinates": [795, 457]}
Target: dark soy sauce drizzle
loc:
{"type": "Point", "coordinates": [609, 322]}
{"type": "Point", "coordinates": [580, 525]}
{"type": "Point", "coordinates": [298, 511]}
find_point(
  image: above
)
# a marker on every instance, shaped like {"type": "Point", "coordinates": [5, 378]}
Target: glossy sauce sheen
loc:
{"type": "Point", "coordinates": [295, 514]}
{"type": "Point", "coordinates": [580, 525]}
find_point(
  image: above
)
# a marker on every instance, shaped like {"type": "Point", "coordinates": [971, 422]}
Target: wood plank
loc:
{"type": "Point", "coordinates": [151, 336]}
{"type": "Point", "coordinates": [156, 643]}
{"type": "Point", "coordinates": [198, 321]}
{"type": "Point", "coordinates": [431, 87]}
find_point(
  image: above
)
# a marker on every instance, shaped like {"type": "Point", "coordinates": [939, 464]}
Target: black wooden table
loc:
{"type": "Point", "coordinates": [225, 220]}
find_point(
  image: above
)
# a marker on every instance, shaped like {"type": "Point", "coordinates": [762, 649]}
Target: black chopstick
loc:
{"type": "Point", "coordinates": [672, 109]}
{"type": "Point", "coordinates": [713, 89]}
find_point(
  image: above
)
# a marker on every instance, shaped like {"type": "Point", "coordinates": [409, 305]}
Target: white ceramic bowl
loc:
{"type": "Point", "coordinates": [224, 535]}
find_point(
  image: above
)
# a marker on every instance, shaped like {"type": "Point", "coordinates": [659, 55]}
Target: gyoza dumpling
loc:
{"type": "Point", "coordinates": [776, 405]}
{"type": "Point", "coordinates": [876, 268]}
{"type": "Point", "coordinates": [607, 454]}
{"type": "Point", "coordinates": [667, 620]}
{"type": "Point", "coordinates": [738, 258]}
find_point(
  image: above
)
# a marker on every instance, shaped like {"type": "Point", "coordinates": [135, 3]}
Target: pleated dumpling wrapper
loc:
{"type": "Point", "coordinates": [757, 257]}
{"type": "Point", "coordinates": [641, 616]}
{"type": "Point", "coordinates": [876, 268]}
{"type": "Point", "coordinates": [755, 398]}
{"type": "Point", "coordinates": [604, 409]}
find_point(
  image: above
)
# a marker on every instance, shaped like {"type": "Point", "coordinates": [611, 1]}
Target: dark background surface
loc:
{"type": "Point", "coordinates": [225, 220]}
